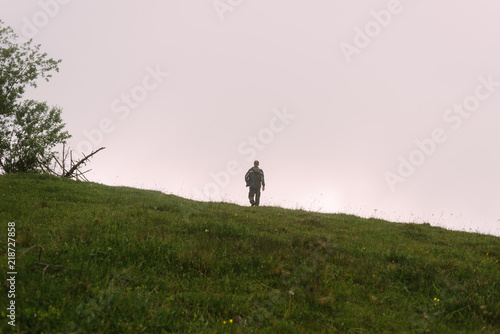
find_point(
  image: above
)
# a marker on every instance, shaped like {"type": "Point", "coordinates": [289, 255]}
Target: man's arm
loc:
{"type": "Point", "coordinates": [262, 178]}
{"type": "Point", "coordinates": [247, 175]}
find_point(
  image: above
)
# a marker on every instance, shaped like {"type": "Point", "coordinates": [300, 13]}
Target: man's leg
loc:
{"type": "Point", "coordinates": [251, 194]}
{"type": "Point", "coordinates": [257, 196]}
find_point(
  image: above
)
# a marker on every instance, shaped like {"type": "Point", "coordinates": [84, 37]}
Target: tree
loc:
{"type": "Point", "coordinates": [29, 130]}
{"type": "Point", "coordinates": [29, 136]}
{"type": "Point", "coordinates": [20, 66]}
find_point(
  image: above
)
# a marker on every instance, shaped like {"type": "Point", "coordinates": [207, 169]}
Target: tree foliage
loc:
{"type": "Point", "coordinates": [29, 130]}
{"type": "Point", "coordinates": [29, 135]}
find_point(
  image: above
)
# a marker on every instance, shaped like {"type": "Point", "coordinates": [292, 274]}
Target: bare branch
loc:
{"type": "Point", "coordinates": [80, 162]}
{"type": "Point", "coordinates": [53, 265]}
{"type": "Point", "coordinates": [33, 247]}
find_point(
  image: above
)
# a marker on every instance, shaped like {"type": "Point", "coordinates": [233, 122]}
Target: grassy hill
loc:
{"type": "Point", "coordinates": [97, 259]}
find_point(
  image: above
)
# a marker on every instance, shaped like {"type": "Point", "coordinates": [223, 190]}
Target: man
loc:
{"type": "Point", "coordinates": [254, 178]}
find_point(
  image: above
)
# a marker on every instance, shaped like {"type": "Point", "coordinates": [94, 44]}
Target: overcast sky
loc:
{"type": "Point", "coordinates": [377, 108]}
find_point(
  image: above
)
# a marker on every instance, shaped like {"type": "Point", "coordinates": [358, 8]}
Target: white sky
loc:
{"type": "Point", "coordinates": [361, 81]}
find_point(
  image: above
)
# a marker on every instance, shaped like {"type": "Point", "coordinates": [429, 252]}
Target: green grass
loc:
{"type": "Point", "coordinates": [97, 259]}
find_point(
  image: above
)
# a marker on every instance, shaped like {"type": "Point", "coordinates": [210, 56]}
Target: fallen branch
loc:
{"type": "Point", "coordinates": [47, 265]}
{"type": "Point", "coordinates": [32, 247]}
{"type": "Point", "coordinates": [82, 161]}
{"type": "Point", "coordinates": [54, 266]}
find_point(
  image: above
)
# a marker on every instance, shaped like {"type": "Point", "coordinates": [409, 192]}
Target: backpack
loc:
{"type": "Point", "coordinates": [254, 176]}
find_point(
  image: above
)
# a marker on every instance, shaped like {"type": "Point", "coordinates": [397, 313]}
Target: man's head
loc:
{"type": "Point", "coordinates": [256, 163]}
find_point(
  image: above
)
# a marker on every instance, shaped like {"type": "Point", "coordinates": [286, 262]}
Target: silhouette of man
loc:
{"type": "Point", "coordinates": [254, 178]}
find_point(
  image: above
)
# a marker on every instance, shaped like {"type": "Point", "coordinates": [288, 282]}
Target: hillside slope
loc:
{"type": "Point", "coordinates": [97, 259]}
